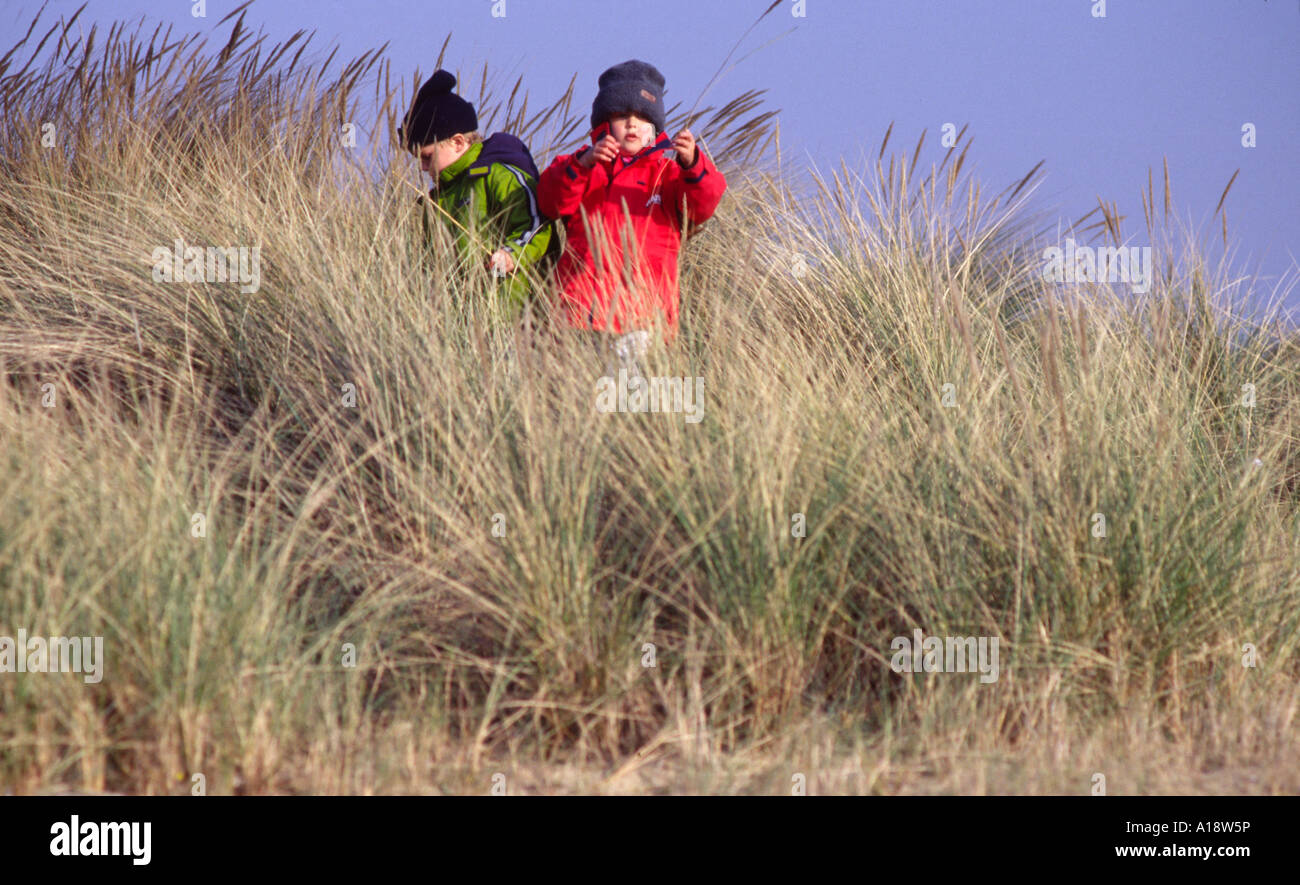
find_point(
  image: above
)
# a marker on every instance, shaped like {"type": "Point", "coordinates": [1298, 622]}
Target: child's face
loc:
{"type": "Point", "coordinates": [633, 133]}
{"type": "Point", "coordinates": [439, 155]}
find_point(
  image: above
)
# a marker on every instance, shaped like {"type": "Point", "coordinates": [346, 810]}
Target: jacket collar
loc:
{"type": "Point", "coordinates": [466, 160]}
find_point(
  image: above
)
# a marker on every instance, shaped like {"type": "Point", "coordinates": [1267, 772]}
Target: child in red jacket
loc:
{"type": "Point", "coordinates": [624, 205]}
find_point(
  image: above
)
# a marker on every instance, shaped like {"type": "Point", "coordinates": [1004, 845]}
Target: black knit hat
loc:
{"type": "Point", "coordinates": [635, 86]}
{"type": "Point", "coordinates": [437, 113]}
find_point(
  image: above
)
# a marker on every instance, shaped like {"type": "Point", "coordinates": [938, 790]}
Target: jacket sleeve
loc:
{"type": "Point", "coordinates": [699, 185]}
{"type": "Point", "coordinates": [563, 184]}
{"type": "Point", "coordinates": [527, 232]}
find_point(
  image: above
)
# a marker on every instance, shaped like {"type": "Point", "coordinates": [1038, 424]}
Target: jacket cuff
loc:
{"type": "Point", "coordinates": [700, 167]}
{"type": "Point", "coordinates": [574, 167]}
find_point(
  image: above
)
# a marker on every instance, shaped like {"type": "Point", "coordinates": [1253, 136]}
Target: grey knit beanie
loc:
{"type": "Point", "coordinates": [635, 86]}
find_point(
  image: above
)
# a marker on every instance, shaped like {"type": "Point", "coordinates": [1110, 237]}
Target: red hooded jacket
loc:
{"type": "Point", "coordinates": [630, 217]}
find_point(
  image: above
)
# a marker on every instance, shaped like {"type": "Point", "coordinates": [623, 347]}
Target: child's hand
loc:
{"type": "Point", "coordinates": [684, 144]}
{"type": "Point", "coordinates": [605, 151]}
{"type": "Point", "coordinates": [501, 263]}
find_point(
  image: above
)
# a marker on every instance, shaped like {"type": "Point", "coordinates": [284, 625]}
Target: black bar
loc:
{"type": "Point", "coordinates": [656, 837]}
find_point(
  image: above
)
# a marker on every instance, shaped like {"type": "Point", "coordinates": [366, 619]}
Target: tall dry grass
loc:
{"type": "Point", "coordinates": [825, 323]}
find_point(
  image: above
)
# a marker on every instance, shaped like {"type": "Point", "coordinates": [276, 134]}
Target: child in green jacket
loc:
{"type": "Point", "coordinates": [484, 191]}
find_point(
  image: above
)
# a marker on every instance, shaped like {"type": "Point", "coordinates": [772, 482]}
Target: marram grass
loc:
{"type": "Point", "coordinates": [357, 531]}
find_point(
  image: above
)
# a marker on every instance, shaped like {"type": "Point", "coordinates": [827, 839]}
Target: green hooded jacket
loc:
{"type": "Point", "coordinates": [490, 209]}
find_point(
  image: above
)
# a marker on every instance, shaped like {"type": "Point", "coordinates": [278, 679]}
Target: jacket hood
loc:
{"type": "Point", "coordinates": [502, 147]}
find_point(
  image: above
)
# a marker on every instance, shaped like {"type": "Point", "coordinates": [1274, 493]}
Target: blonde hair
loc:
{"type": "Point", "coordinates": [472, 137]}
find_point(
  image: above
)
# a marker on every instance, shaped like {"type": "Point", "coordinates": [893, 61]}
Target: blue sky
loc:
{"type": "Point", "coordinates": [1101, 99]}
